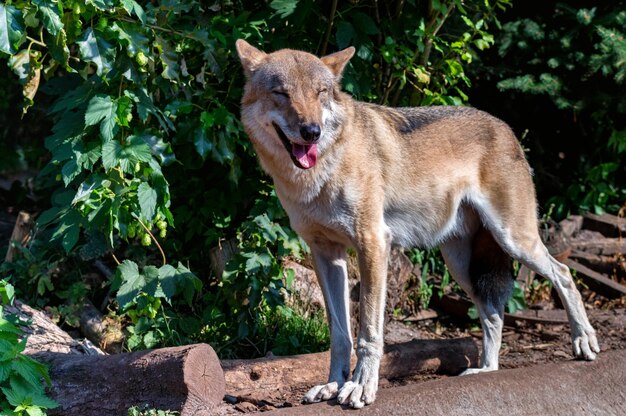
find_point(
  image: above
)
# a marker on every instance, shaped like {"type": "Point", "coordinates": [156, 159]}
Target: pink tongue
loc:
{"type": "Point", "coordinates": [306, 154]}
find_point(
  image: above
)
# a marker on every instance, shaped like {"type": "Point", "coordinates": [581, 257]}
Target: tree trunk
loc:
{"type": "Point", "coordinates": [259, 376]}
{"type": "Point", "coordinates": [187, 379]}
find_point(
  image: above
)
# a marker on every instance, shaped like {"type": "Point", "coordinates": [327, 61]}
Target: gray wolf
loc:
{"type": "Point", "coordinates": [354, 174]}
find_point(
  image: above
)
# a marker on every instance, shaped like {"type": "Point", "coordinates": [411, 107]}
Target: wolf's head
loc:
{"type": "Point", "coordinates": [290, 100]}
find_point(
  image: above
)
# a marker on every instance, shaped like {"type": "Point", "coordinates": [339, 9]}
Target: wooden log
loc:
{"type": "Point", "coordinates": [20, 234]}
{"type": "Point", "coordinates": [564, 388]}
{"type": "Point", "coordinates": [601, 246]}
{"type": "Point", "coordinates": [263, 376]}
{"type": "Point", "coordinates": [221, 254]}
{"type": "Point", "coordinates": [571, 225]}
{"type": "Point", "coordinates": [105, 333]}
{"type": "Point", "coordinates": [44, 336]}
{"type": "Point", "coordinates": [546, 317]}
{"type": "Point", "coordinates": [596, 281]}
{"type": "Point", "coordinates": [86, 382]}
{"type": "Point", "coordinates": [186, 379]}
{"type": "Point", "coordinates": [458, 306]}
{"type": "Point", "coordinates": [607, 224]}
{"type": "Point", "coordinates": [609, 265]}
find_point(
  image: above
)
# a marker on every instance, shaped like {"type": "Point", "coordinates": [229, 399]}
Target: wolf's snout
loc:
{"type": "Point", "coordinates": [310, 132]}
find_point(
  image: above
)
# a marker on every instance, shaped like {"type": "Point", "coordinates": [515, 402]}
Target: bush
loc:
{"type": "Point", "coordinates": [560, 68]}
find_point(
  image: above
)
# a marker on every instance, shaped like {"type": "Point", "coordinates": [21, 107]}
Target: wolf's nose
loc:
{"type": "Point", "coordinates": [310, 132]}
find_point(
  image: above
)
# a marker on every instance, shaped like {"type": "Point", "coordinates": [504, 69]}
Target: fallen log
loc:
{"type": "Point", "coordinates": [602, 246]}
{"type": "Point", "coordinates": [458, 306]}
{"type": "Point", "coordinates": [566, 388]}
{"type": "Point", "coordinates": [266, 375]}
{"type": "Point", "coordinates": [607, 224]}
{"type": "Point", "coordinates": [186, 379]}
{"type": "Point", "coordinates": [571, 225]}
{"type": "Point", "coordinates": [105, 333]}
{"type": "Point", "coordinates": [596, 281]}
{"type": "Point", "coordinates": [44, 336]}
{"type": "Point", "coordinates": [86, 382]}
{"type": "Point", "coordinates": [608, 265]}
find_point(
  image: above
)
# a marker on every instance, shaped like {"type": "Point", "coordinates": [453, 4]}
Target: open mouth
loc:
{"type": "Point", "coordinates": [303, 156]}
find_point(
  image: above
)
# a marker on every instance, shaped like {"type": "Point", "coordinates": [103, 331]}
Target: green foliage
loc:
{"type": "Point", "coordinates": [145, 111]}
{"type": "Point", "coordinates": [21, 377]}
{"type": "Point", "coordinates": [565, 69]}
{"type": "Point", "coordinates": [292, 333]}
{"type": "Point", "coordinates": [145, 411]}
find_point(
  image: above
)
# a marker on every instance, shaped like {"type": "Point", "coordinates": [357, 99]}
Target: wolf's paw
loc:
{"type": "Point", "coordinates": [358, 395]}
{"type": "Point", "coordinates": [477, 371]}
{"type": "Point", "coordinates": [321, 393]}
{"type": "Point", "coordinates": [585, 344]}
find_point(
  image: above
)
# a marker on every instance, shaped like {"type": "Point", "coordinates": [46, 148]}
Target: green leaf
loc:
{"type": "Point", "coordinates": [202, 143]}
{"type": "Point", "coordinates": [5, 370]}
{"type": "Point", "coordinates": [57, 46]}
{"type": "Point", "coordinates": [364, 23]}
{"type": "Point", "coordinates": [69, 171]}
{"type": "Point", "coordinates": [284, 8]}
{"type": "Point", "coordinates": [50, 15]}
{"type": "Point", "coordinates": [159, 148]}
{"type": "Point", "coordinates": [35, 410]}
{"type": "Point", "coordinates": [345, 34]}
{"type": "Point", "coordinates": [178, 280]}
{"type": "Point", "coordinates": [8, 327]}
{"type": "Point", "coordinates": [134, 40]}
{"type": "Point", "coordinates": [132, 282]}
{"type": "Point", "coordinates": [131, 6]}
{"type": "Point", "coordinates": [97, 50]}
{"type": "Point", "coordinates": [169, 59]}
{"type": "Point", "coordinates": [11, 28]}
{"type": "Point", "coordinates": [31, 371]}
{"type": "Point", "coordinates": [111, 154]}
{"type": "Point", "coordinates": [123, 112]}
{"type": "Point", "coordinates": [102, 4]}
{"type": "Point", "coordinates": [49, 216]}
{"type": "Point", "coordinates": [151, 276]}
{"type": "Point", "coordinates": [69, 228]}
{"type": "Point", "coordinates": [102, 109]}
{"type": "Point", "coordinates": [168, 281]}
{"type": "Point", "coordinates": [150, 340]}
{"type": "Point", "coordinates": [147, 200]}
{"type": "Point", "coordinates": [70, 238]}
{"type": "Point", "coordinates": [146, 107]}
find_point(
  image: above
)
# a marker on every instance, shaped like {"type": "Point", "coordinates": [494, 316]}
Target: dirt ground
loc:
{"type": "Point", "coordinates": [523, 345]}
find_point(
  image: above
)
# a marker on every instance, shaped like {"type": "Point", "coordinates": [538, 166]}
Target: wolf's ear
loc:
{"type": "Point", "coordinates": [337, 61]}
{"type": "Point", "coordinates": [249, 56]}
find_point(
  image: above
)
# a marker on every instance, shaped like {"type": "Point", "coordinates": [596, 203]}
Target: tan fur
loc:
{"type": "Point", "coordinates": [417, 177]}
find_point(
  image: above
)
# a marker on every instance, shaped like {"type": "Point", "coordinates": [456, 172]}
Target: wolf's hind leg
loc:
{"type": "Point", "coordinates": [331, 269]}
{"type": "Point", "coordinates": [483, 270]}
{"type": "Point", "coordinates": [533, 254]}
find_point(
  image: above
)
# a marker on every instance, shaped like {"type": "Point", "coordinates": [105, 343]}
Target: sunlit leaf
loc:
{"type": "Point", "coordinates": [11, 28]}
{"type": "Point", "coordinates": [102, 109]}
{"type": "Point", "coordinates": [49, 12]}
{"type": "Point", "coordinates": [94, 48]}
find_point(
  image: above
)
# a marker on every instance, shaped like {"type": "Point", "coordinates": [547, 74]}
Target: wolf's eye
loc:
{"type": "Point", "coordinates": [282, 94]}
{"type": "Point", "coordinates": [322, 91]}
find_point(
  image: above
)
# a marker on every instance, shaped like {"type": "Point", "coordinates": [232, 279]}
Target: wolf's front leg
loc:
{"type": "Point", "coordinates": [332, 274]}
{"type": "Point", "coordinates": [373, 256]}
